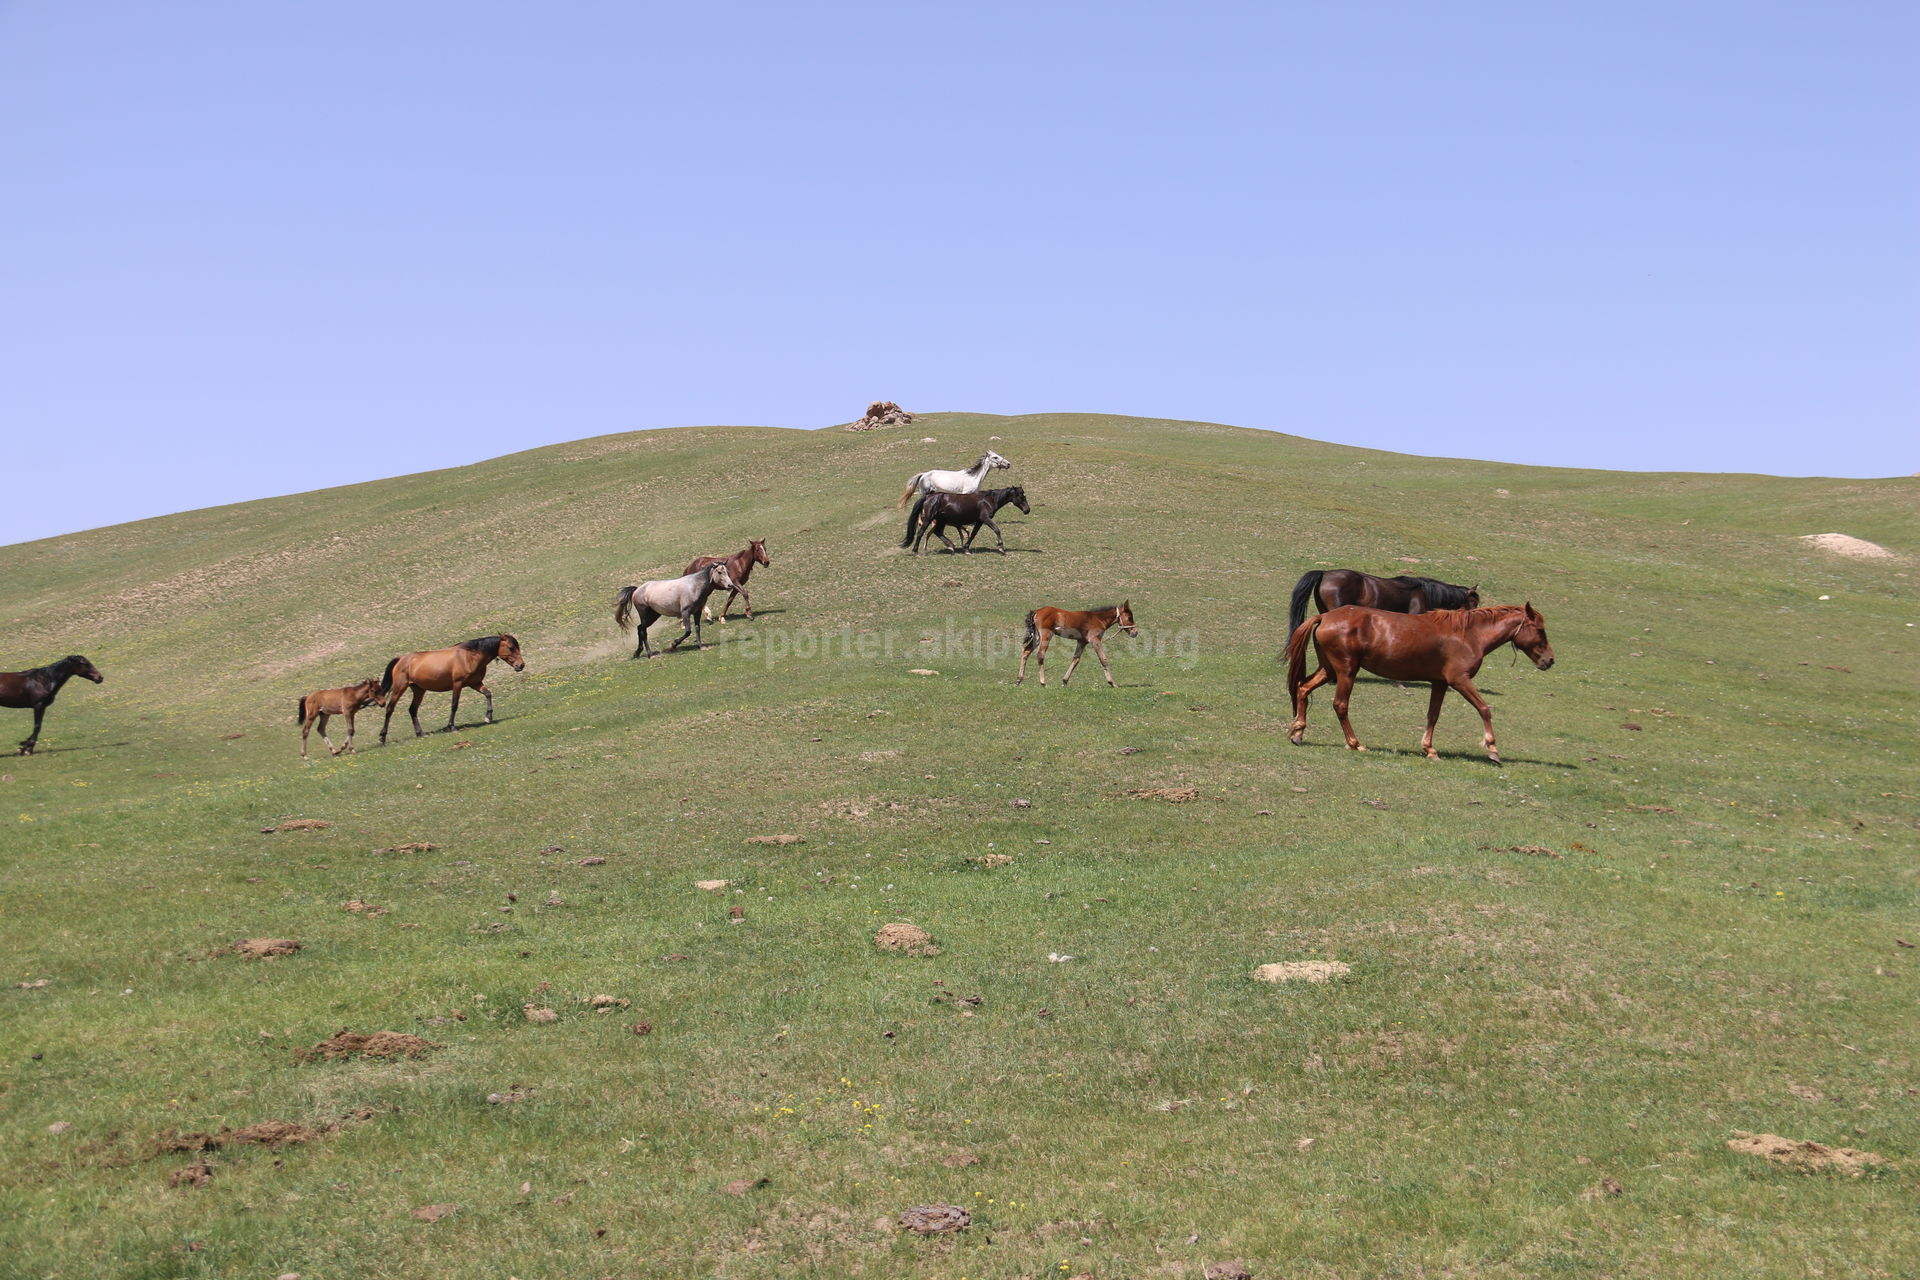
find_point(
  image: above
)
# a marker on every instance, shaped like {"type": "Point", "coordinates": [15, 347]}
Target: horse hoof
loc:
{"type": "Point", "coordinates": [1297, 739]}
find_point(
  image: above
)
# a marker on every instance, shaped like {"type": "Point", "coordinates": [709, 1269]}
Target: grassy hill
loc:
{"type": "Point", "coordinates": [1671, 918]}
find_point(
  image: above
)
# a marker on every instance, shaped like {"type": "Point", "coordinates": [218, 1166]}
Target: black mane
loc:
{"type": "Point", "coordinates": [487, 646]}
{"type": "Point", "coordinates": [1440, 595]}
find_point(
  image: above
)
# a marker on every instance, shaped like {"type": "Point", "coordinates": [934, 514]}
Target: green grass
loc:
{"type": "Point", "coordinates": [1516, 1026]}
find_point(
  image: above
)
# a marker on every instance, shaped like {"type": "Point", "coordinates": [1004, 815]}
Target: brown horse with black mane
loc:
{"type": "Point", "coordinates": [1085, 626]}
{"type": "Point", "coordinates": [464, 666]}
{"type": "Point", "coordinates": [1331, 588]}
{"type": "Point", "coordinates": [1446, 648]}
{"type": "Point", "coordinates": [739, 565]}
{"type": "Point", "coordinates": [39, 687]}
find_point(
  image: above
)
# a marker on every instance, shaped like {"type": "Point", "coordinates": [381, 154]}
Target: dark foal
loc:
{"type": "Point", "coordinates": [934, 512]}
{"type": "Point", "coordinates": [39, 687]}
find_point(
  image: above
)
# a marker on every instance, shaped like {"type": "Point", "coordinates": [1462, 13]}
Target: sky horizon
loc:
{"type": "Point", "coordinates": [266, 249]}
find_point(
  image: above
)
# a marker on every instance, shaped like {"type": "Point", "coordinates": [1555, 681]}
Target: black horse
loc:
{"type": "Point", "coordinates": [1331, 588]}
{"type": "Point", "coordinates": [39, 687]}
{"type": "Point", "coordinates": [934, 512]}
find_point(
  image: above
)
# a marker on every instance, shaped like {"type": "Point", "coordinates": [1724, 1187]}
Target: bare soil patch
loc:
{"type": "Point", "coordinates": [1841, 544]}
{"type": "Point", "coordinates": [782, 838]}
{"type": "Point", "coordinates": [935, 1219]}
{"type": "Point", "coordinates": [1302, 971]}
{"type": "Point", "coordinates": [907, 939]}
{"type": "Point", "coordinates": [1808, 1157]}
{"type": "Point", "coordinates": [1172, 795]}
{"type": "Point", "coordinates": [265, 948]}
{"type": "Point", "coordinates": [360, 1044]}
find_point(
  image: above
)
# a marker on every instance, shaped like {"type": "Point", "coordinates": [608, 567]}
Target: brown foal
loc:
{"type": "Point", "coordinates": [1085, 626]}
{"type": "Point", "coordinates": [336, 702]}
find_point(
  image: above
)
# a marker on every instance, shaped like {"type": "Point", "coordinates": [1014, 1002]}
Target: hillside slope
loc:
{"type": "Point", "coordinates": [1671, 916]}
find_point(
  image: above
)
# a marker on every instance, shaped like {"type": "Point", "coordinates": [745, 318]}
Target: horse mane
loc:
{"type": "Point", "coordinates": [1440, 595]}
{"type": "Point", "coordinates": [487, 646]}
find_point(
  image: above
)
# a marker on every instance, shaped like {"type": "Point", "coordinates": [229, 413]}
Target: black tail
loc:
{"type": "Point", "coordinates": [386, 677]}
{"type": "Point", "coordinates": [913, 520]}
{"type": "Point", "coordinates": [1032, 640]}
{"type": "Point", "coordinates": [1302, 592]}
{"type": "Point", "coordinates": [302, 717]}
{"type": "Point", "coordinates": [623, 607]}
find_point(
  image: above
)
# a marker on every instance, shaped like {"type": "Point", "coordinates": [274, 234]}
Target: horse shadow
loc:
{"type": "Point", "coordinates": [44, 750]}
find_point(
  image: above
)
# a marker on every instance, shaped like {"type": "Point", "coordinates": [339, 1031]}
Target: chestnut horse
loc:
{"type": "Point", "coordinates": [739, 565]}
{"type": "Point", "coordinates": [39, 687]}
{"type": "Point", "coordinates": [464, 666]}
{"type": "Point", "coordinates": [1331, 588]}
{"type": "Point", "coordinates": [1445, 648]}
{"type": "Point", "coordinates": [1086, 627]}
{"type": "Point", "coordinates": [336, 702]}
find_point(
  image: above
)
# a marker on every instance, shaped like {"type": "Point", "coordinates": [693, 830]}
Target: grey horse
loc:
{"type": "Point", "coordinates": [651, 601]}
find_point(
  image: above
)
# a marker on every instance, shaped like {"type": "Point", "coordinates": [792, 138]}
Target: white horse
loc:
{"type": "Point", "coordinates": [663, 598]}
{"type": "Point", "coordinates": [967, 481]}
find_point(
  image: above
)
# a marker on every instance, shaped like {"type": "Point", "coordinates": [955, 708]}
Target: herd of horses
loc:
{"type": "Point", "coordinates": [1401, 628]}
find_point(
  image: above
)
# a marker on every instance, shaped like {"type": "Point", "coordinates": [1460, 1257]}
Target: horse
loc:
{"type": "Point", "coordinates": [1331, 588]}
{"type": "Point", "coordinates": [1445, 647]}
{"type": "Point", "coordinates": [464, 666]}
{"type": "Point", "coordinates": [739, 565]}
{"type": "Point", "coordinates": [967, 481]}
{"type": "Point", "coordinates": [1086, 626]}
{"type": "Point", "coordinates": [684, 595]}
{"type": "Point", "coordinates": [335, 702]}
{"type": "Point", "coordinates": [39, 687]}
{"type": "Point", "coordinates": [933, 512]}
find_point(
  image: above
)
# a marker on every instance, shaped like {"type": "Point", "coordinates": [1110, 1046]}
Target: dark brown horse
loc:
{"type": "Point", "coordinates": [1085, 626]}
{"type": "Point", "coordinates": [1445, 648]}
{"type": "Point", "coordinates": [464, 666]}
{"type": "Point", "coordinates": [935, 511]}
{"type": "Point", "coordinates": [1331, 588]}
{"type": "Point", "coordinates": [39, 687]}
{"type": "Point", "coordinates": [336, 702]}
{"type": "Point", "coordinates": [739, 565]}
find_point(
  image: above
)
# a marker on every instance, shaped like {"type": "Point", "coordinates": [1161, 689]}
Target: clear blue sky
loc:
{"type": "Point", "coordinates": [254, 247]}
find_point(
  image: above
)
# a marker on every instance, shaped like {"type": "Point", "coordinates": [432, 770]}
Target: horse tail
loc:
{"type": "Point", "coordinates": [386, 677]}
{"type": "Point", "coordinates": [1297, 654]}
{"type": "Point", "coordinates": [911, 486]}
{"type": "Point", "coordinates": [301, 718]}
{"type": "Point", "coordinates": [1302, 592]}
{"type": "Point", "coordinates": [623, 608]}
{"type": "Point", "coordinates": [1032, 640]}
{"type": "Point", "coordinates": [913, 519]}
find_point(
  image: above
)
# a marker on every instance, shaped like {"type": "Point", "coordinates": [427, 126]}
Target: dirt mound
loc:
{"type": "Point", "coordinates": [1809, 1157]}
{"type": "Point", "coordinates": [1172, 795]}
{"type": "Point", "coordinates": [267, 1133]}
{"type": "Point", "coordinates": [1844, 545]}
{"type": "Point", "coordinates": [360, 1044]}
{"type": "Point", "coordinates": [908, 939]}
{"type": "Point", "coordinates": [193, 1176]}
{"type": "Point", "coordinates": [881, 413]}
{"type": "Point", "coordinates": [782, 838]}
{"type": "Point", "coordinates": [298, 824]}
{"type": "Point", "coordinates": [1302, 971]}
{"type": "Point", "coordinates": [933, 1219]}
{"type": "Point", "coordinates": [263, 948]}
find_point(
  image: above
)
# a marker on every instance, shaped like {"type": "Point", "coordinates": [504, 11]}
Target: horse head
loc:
{"type": "Point", "coordinates": [1123, 619]}
{"type": "Point", "coordinates": [367, 693]}
{"type": "Point", "coordinates": [719, 578]}
{"type": "Point", "coordinates": [759, 548]}
{"type": "Point", "coordinates": [1018, 497]}
{"type": "Point", "coordinates": [510, 652]}
{"type": "Point", "coordinates": [994, 461]}
{"type": "Point", "coordinates": [84, 669]}
{"type": "Point", "coordinates": [1531, 638]}
{"type": "Point", "coordinates": [1473, 596]}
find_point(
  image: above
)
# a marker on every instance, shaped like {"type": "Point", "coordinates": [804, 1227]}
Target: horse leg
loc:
{"type": "Point", "coordinates": [306, 727]}
{"type": "Point", "coordinates": [1297, 731]}
{"type": "Point", "coordinates": [488, 695]}
{"type": "Point", "coordinates": [641, 648]}
{"type": "Point", "coordinates": [454, 710]}
{"type": "Point", "coordinates": [1078, 649]}
{"type": "Point", "coordinates": [1046, 638]}
{"type": "Point", "coordinates": [348, 749]}
{"type": "Point", "coordinates": [996, 537]}
{"type": "Point", "coordinates": [1100, 652]}
{"type": "Point", "coordinates": [393, 700]}
{"type": "Point", "coordinates": [1433, 718]}
{"type": "Point", "coordinates": [746, 601]}
{"type": "Point", "coordinates": [1342, 690]}
{"type": "Point", "coordinates": [322, 726]}
{"type": "Point", "coordinates": [413, 710]}
{"type": "Point", "coordinates": [686, 629]}
{"type": "Point", "coordinates": [26, 748]}
{"type": "Point", "coordinates": [1464, 687]}
{"type": "Point", "coordinates": [940, 531]}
